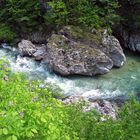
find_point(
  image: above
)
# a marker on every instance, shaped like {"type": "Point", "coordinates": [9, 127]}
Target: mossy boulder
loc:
{"type": "Point", "coordinates": [83, 35]}
{"type": "Point", "coordinates": [68, 57]}
{"type": "Point", "coordinates": [76, 51]}
{"type": "Point", "coordinates": [99, 39]}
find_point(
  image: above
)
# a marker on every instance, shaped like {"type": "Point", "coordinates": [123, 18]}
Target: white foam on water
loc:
{"type": "Point", "coordinates": [91, 93]}
{"type": "Point", "coordinates": [6, 46]}
{"type": "Point", "coordinates": [98, 94]}
{"type": "Point", "coordinates": [68, 86]}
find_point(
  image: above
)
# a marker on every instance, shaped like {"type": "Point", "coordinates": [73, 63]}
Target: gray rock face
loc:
{"type": "Point", "coordinates": [74, 51]}
{"type": "Point", "coordinates": [128, 40]}
{"type": "Point", "coordinates": [134, 42]}
{"type": "Point", "coordinates": [26, 48]}
{"type": "Point", "coordinates": [111, 46]}
{"type": "Point", "coordinates": [40, 53]}
{"type": "Point", "coordinates": [104, 107]}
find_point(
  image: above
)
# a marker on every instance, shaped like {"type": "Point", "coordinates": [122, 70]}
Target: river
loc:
{"type": "Point", "coordinates": [117, 84]}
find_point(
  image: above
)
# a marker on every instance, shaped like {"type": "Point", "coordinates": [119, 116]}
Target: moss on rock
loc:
{"type": "Point", "coordinates": [81, 34]}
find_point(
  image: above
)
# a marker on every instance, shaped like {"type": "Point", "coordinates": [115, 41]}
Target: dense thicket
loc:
{"type": "Point", "coordinates": [129, 11]}
{"type": "Point", "coordinates": [28, 112]}
{"type": "Point", "coordinates": [24, 15]}
{"type": "Point", "coordinates": [31, 13]}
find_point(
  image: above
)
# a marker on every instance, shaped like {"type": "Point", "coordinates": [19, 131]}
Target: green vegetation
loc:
{"type": "Point", "coordinates": [30, 112]}
{"type": "Point", "coordinates": [90, 13]}
{"type": "Point", "coordinates": [20, 14]}
{"type": "Point", "coordinates": [6, 34]}
{"type": "Point", "coordinates": [26, 16]}
{"type": "Point", "coordinates": [35, 15]}
{"type": "Point", "coordinates": [84, 12]}
{"type": "Point", "coordinates": [129, 11]}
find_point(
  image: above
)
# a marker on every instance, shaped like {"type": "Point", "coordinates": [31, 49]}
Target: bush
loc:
{"type": "Point", "coordinates": [93, 14]}
{"type": "Point", "coordinates": [30, 112]}
{"type": "Point", "coordinates": [6, 34]}
{"type": "Point", "coordinates": [26, 16]}
{"type": "Point", "coordinates": [57, 14]}
{"type": "Point", "coordinates": [20, 15]}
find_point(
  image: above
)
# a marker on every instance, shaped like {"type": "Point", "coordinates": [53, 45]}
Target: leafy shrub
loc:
{"type": "Point", "coordinates": [30, 112]}
{"type": "Point", "coordinates": [21, 13]}
{"type": "Point", "coordinates": [6, 34]}
{"type": "Point", "coordinates": [57, 14]}
{"type": "Point", "coordinates": [24, 15]}
{"type": "Point", "coordinates": [91, 13]}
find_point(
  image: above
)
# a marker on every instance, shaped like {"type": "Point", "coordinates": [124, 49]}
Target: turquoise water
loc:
{"type": "Point", "coordinates": [118, 83]}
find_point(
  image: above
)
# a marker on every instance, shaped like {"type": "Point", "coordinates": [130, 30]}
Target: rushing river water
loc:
{"type": "Point", "coordinates": [118, 83]}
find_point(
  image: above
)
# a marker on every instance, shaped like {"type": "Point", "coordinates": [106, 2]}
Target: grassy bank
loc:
{"type": "Point", "coordinates": [30, 112]}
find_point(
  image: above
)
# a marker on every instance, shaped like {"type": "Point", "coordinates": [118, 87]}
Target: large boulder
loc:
{"type": "Point", "coordinates": [26, 48]}
{"type": "Point", "coordinates": [41, 51]}
{"type": "Point", "coordinates": [97, 39]}
{"type": "Point", "coordinates": [67, 57]}
{"type": "Point", "coordinates": [76, 51]}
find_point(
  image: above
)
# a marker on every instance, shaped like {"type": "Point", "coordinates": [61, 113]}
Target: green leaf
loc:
{"type": "Point", "coordinates": [13, 137]}
{"type": "Point", "coordinates": [24, 19]}
{"type": "Point", "coordinates": [1, 132]}
{"type": "Point", "coordinates": [34, 131]}
{"type": "Point", "coordinates": [9, 138]}
{"type": "Point", "coordinates": [43, 120]}
{"type": "Point", "coordinates": [30, 134]}
{"type": "Point", "coordinates": [5, 131]}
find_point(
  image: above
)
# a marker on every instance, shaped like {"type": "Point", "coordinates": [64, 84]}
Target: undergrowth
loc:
{"type": "Point", "coordinates": [28, 112]}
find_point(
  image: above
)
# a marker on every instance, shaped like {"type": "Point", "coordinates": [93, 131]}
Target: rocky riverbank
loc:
{"type": "Point", "coordinates": [64, 37]}
{"type": "Point", "coordinates": [74, 51]}
{"type": "Point", "coordinates": [105, 108]}
{"type": "Point", "coordinates": [129, 39]}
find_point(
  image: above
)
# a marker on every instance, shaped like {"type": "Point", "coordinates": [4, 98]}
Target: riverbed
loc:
{"type": "Point", "coordinates": [119, 83]}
